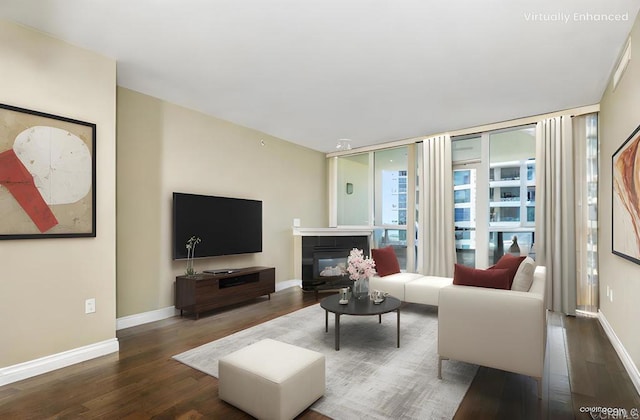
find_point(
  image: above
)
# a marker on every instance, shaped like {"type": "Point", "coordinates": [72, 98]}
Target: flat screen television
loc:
{"type": "Point", "coordinates": [225, 225]}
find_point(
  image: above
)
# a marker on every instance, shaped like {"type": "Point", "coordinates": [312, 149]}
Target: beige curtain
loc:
{"type": "Point", "coordinates": [437, 254]}
{"type": "Point", "coordinates": [555, 212]}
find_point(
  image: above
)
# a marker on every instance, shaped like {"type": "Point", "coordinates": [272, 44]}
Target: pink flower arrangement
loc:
{"type": "Point", "coordinates": [360, 267]}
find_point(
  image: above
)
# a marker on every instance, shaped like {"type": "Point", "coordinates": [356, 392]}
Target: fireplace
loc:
{"type": "Point", "coordinates": [324, 259]}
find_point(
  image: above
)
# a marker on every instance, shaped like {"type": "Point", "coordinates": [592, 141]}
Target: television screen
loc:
{"type": "Point", "coordinates": [226, 226]}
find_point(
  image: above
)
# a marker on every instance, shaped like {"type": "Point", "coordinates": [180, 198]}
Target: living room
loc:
{"type": "Point", "coordinates": [148, 148]}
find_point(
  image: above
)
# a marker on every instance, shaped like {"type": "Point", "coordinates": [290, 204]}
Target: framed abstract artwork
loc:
{"type": "Point", "coordinates": [47, 175]}
{"type": "Point", "coordinates": [626, 199]}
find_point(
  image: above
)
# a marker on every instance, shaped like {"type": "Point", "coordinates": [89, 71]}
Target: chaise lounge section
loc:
{"type": "Point", "coordinates": [408, 287]}
{"type": "Point", "coordinates": [411, 287]}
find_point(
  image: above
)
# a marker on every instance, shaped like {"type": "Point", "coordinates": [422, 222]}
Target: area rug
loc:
{"type": "Point", "coordinates": [369, 377]}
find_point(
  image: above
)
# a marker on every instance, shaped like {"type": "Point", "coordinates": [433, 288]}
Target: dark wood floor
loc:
{"type": "Point", "coordinates": [142, 381]}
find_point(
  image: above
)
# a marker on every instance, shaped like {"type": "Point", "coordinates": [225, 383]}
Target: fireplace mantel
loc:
{"type": "Point", "coordinates": [341, 231]}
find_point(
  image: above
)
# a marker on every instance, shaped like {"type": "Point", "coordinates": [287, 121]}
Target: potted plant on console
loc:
{"type": "Point", "coordinates": [360, 269]}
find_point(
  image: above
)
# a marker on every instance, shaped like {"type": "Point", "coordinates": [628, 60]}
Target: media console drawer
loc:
{"type": "Point", "coordinates": [204, 292]}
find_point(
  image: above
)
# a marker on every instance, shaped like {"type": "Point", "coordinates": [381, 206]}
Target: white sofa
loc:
{"type": "Point", "coordinates": [501, 329]}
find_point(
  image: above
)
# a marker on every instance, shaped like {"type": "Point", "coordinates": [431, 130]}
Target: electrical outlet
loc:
{"type": "Point", "coordinates": [611, 295]}
{"type": "Point", "coordinates": [90, 306]}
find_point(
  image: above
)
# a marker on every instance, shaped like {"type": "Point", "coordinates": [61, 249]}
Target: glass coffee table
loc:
{"type": "Point", "coordinates": [358, 307]}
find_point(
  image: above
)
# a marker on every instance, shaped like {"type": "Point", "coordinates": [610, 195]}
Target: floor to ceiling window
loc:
{"type": "Point", "coordinates": [512, 192]}
{"type": "Point", "coordinates": [494, 198]}
{"type": "Point", "coordinates": [494, 195]}
{"type": "Point", "coordinates": [470, 207]}
{"type": "Point", "coordinates": [465, 206]}
{"type": "Point", "coordinates": [390, 201]}
{"type": "Point", "coordinates": [375, 189]}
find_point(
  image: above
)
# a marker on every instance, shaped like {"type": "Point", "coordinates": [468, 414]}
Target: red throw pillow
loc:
{"type": "Point", "coordinates": [497, 278]}
{"type": "Point", "coordinates": [509, 262]}
{"type": "Point", "coordinates": [386, 261]}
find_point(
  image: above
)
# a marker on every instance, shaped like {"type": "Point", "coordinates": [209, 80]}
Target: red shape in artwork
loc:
{"type": "Point", "coordinates": [17, 179]}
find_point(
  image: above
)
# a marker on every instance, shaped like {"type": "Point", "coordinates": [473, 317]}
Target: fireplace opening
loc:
{"type": "Point", "coordinates": [329, 266]}
{"type": "Point", "coordinates": [330, 269]}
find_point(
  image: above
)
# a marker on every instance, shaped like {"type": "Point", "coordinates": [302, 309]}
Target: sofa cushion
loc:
{"type": "Point", "coordinates": [524, 276]}
{"type": "Point", "coordinates": [386, 261]}
{"type": "Point", "coordinates": [495, 278]}
{"type": "Point", "coordinates": [509, 262]}
{"type": "Point", "coordinates": [394, 284]}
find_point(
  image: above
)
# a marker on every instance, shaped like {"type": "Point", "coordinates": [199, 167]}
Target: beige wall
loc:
{"type": "Point", "coordinates": [164, 148]}
{"type": "Point", "coordinates": [353, 208]}
{"type": "Point", "coordinates": [44, 282]}
{"type": "Point", "coordinates": [618, 118]}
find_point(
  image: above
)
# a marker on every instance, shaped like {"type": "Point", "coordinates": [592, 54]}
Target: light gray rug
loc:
{"type": "Point", "coordinates": [369, 378]}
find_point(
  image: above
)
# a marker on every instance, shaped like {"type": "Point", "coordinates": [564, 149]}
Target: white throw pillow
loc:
{"type": "Point", "coordinates": [524, 276]}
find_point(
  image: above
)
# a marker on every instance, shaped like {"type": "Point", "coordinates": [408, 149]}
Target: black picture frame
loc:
{"type": "Point", "coordinates": [625, 199]}
{"type": "Point", "coordinates": [47, 175]}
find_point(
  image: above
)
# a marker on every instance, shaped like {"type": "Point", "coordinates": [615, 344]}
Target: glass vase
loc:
{"type": "Point", "coordinates": [190, 271]}
{"type": "Point", "coordinates": [361, 288]}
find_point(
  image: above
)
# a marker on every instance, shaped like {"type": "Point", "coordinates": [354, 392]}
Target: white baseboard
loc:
{"type": "Point", "coordinates": [287, 284]}
{"type": "Point", "coordinates": [145, 317]}
{"type": "Point", "coordinates": [164, 313]}
{"type": "Point", "coordinates": [630, 367]}
{"type": "Point", "coordinates": [46, 364]}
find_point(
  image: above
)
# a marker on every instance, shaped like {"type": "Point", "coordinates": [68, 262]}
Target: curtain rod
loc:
{"type": "Point", "coordinates": [573, 112]}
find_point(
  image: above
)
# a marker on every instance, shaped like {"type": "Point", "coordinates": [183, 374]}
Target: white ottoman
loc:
{"type": "Point", "coordinates": [426, 290]}
{"type": "Point", "coordinates": [271, 379]}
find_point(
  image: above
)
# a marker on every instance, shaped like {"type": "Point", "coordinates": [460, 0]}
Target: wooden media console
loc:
{"type": "Point", "coordinates": [211, 290]}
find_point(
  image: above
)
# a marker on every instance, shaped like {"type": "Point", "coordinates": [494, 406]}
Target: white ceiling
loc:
{"type": "Point", "coordinates": [314, 71]}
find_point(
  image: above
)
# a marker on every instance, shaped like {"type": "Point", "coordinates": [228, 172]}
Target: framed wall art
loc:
{"type": "Point", "coordinates": [626, 199]}
{"type": "Point", "coordinates": [47, 175]}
